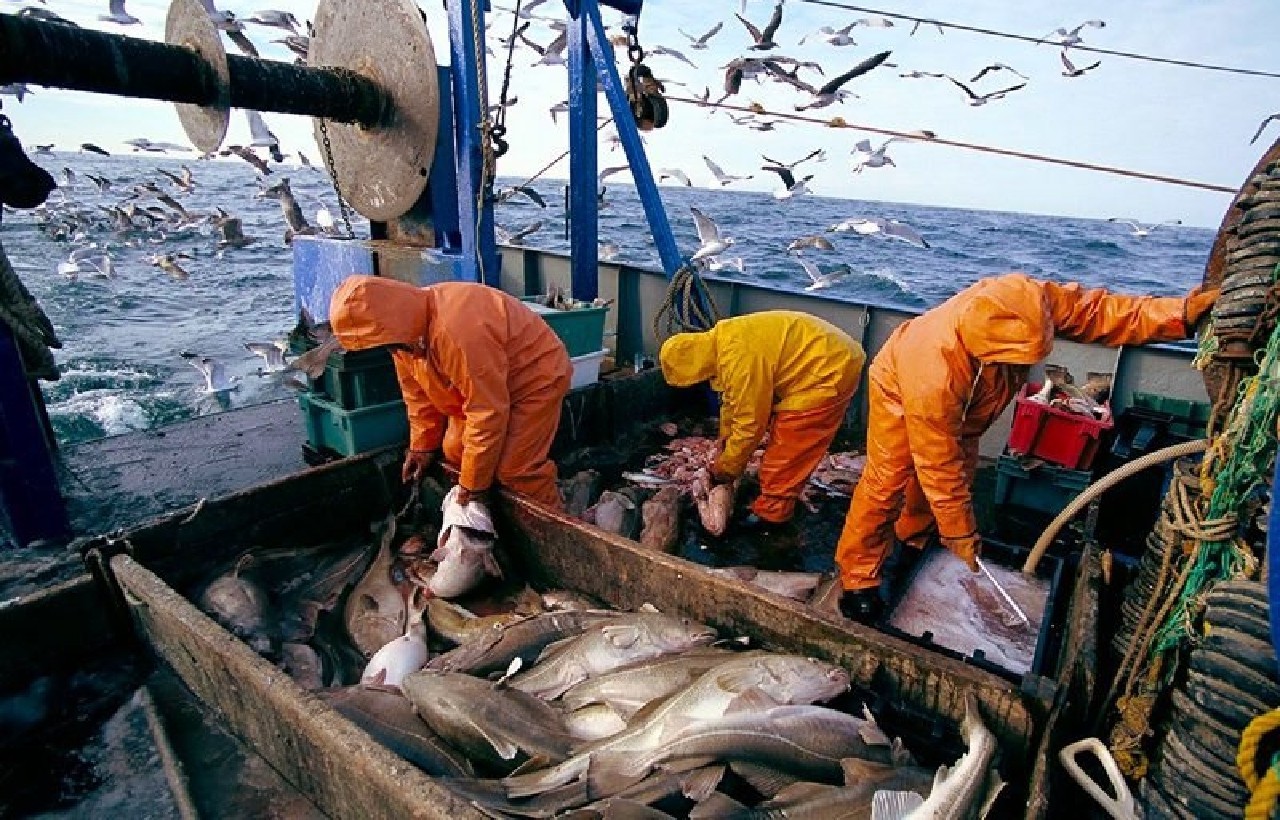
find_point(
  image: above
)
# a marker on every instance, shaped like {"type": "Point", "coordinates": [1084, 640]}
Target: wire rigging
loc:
{"type": "Point", "coordinates": [1024, 38]}
{"type": "Point", "coordinates": [840, 122]}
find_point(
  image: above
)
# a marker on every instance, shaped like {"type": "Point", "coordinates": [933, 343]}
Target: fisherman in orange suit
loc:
{"type": "Point", "coordinates": [789, 373]}
{"type": "Point", "coordinates": [483, 378]}
{"type": "Point", "coordinates": [941, 380]}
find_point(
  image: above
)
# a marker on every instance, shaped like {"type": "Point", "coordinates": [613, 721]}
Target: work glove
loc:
{"type": "Point", "coordinates": [966, 547]}
{"type": "Point", "coordinates": [416, 463]}
{"type": "Point", "coordinates": [1199, 301]}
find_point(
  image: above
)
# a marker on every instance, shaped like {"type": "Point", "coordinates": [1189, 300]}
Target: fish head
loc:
{"type": "Point", "coordinates": [672, 634]}
{"type": "Point", "coordinates": [792, 679]}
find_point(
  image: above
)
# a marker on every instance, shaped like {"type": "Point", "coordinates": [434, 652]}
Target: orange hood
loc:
{"type": "Point", "coordinates": [1007, 320]}
{"type": "Point", "coordinates": [369, 311]}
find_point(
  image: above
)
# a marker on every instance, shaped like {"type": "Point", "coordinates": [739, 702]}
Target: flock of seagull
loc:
{"type": "Point", "coordinates": [151, 213]}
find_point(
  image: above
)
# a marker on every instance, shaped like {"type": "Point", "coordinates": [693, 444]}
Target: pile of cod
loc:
{"type": "Point", "coordinates": [552, 705]}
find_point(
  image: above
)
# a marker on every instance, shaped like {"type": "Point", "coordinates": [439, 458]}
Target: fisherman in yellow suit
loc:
{"type": "Point", "coordinates": [784, 372]}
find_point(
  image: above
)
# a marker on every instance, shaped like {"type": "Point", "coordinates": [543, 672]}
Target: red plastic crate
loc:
{"type": "Point", "coordinates": [1062, 438]}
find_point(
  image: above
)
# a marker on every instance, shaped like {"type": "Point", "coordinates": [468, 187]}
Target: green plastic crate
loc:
{"type": "Point", "coordinates": [581, 329]}
{"type": "Point", "coordinates": [1190, 418]}
{"type": "Point", "coordinates": [354, 379]}
{"type": "Point", "coordinates": [348, 432]}
{"type": "Point", "coordinates": [1044, 488]}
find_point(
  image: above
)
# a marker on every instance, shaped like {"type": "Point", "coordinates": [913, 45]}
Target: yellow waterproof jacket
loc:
{"type": "Point", "coordinates": [950, 372]}
{"type": "Point", "coordinates": [763, 363]}
{"type": "Point", "coordinates": [464, 350]}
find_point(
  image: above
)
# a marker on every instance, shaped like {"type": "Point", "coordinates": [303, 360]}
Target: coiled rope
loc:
{"type": "Point", "coordinates": [688, 306]}
{"type": "Point", "coordinates": [1264, 788]}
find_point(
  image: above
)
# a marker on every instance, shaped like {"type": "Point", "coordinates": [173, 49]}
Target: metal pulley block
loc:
{"type": "Point", "coordinates": [645, 93]}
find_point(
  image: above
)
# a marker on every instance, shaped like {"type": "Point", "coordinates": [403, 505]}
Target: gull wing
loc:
{"type": "Point", "coordinates": [708, 231]}
{"type": "Point", "coordinates": [857, 71]}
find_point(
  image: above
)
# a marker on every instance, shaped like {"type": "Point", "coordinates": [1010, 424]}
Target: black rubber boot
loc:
{"type": "Point", "coordinates": [862, 605]}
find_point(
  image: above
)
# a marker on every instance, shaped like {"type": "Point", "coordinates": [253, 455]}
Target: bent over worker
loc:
{"type": "Point", "coordinates": [780, 371]}
{"type": "Point", "coordinates": [940, 381]}
{"type": "Point", "coordinates": [483, 377]}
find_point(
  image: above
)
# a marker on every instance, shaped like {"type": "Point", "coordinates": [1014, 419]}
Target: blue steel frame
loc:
{"type": "Point", "coordinates": [480, 261]}
{"type": "Point", "coordinates": [591, 61]}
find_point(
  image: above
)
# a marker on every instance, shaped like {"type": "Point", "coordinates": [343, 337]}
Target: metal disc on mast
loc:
{"type": "Point", "coordinates": [188, 24]}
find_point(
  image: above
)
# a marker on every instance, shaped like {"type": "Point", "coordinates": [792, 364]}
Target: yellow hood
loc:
{"type": "Point", "coordinates": [369, 311]}
{"type": "Point", "coordinates": [688, 358]}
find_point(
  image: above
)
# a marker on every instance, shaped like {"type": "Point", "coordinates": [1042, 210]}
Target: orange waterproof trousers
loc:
{"type": "Point", "coordinates": [797, 442]}
{"type": "Point", "coordinates": [524, 465]}
{"type": "Point", "coordinates": [888, 501]}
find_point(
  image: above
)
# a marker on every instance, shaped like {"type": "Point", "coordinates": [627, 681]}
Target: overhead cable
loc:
{"type": "Point", "coordinates": [840, 122]}
{"type": "Point", "coordinates": [1024, 38]}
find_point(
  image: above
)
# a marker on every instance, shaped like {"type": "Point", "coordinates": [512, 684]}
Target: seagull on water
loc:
{"type": "Point", "coordinates": [818, 279]}
{"type": "Point", "coordinates": [215, 375]}
{"type": "Point", "coordinates": [720, 175]}
{"type": "Point", "coordinates": [1140, 230]}
{"type": "Point", "coordinates": [45, 150]}
{"type": "Point", "coordinates": [764, 39]}
{"type": "Point", "coordinates": [887, 228]}
{"type": "Point", "coordinates": [700, 43]}
{"type": "Point", "coordinates": [119, 15]}
{"type": "Point", "coordinates": [712, 241]}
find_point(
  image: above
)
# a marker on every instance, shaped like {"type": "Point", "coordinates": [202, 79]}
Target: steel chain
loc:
{"type": "Point", "coordinates": [333, 178]}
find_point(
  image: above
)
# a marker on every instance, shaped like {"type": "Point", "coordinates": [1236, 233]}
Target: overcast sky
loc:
{"type": "Point", "coordinates": [1162, 119]}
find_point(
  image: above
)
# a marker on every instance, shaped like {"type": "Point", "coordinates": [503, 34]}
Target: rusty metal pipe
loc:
{"type": "Point", "coordinates": [61, 56]}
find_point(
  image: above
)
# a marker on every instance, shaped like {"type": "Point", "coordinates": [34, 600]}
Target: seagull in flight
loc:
{"type": "Point", "coordinates": [119, 15]}
{"type": "Point", "coordinates": [833, 36]}
{"type": "Point", "coordinates": [261, 136]}
{"type": "Point", "coordinates": [990, 69]}
{"type": "Point", "coordinates": [720, 175]}
{"type": "Point", "coordinates": [791, 188]}
{"type": "Point", "coordinates": [517, 238]}
{"type": "Point", "coordinates": [215, 375]}
{"type": "Point", "coordinates": [831, 91]}
{"type": "Point", "coordinates": [676, 174]}
{"type": "Point", "coordinates": [764, 39]}
{"type": "Point", "coordinates": [982, 99]}
{"type": "Point", "coordinates": [712, 241]}
{"type": "Point", "coordinates": [272, 354]}
{"type": "Point", "coordinates": [1071, 37]}
{"type": "Point", "coordinates": [867, 157]}
{"type": "Point", "coordinates": [1069, 69]}
{"type": "Point", "coordinates": [815, 241]}
{"type": "Point", "coordinates": [818, 279]}
{"type": "Point", "coordinates": [699, 43]}
{"type": "Point", "coordinates": [1140, 230]}
{"type": "Point", "coordinates": [275, 19]}
{"type": "Point", "coordinates": [887, 228]}
{"type": "Point", "coordinates": [659, 51]}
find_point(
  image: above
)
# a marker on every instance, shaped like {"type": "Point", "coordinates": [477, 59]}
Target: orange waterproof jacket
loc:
{"type": "Point", "coordinates": [761, 364]}
{"type": "Point", "coordinates": [470, 353]}
{"type": "Point", "coordinates": [951, 371]}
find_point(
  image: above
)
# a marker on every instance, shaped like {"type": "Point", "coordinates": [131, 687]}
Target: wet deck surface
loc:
{"type": "Point", "coordinates": [117, 482]}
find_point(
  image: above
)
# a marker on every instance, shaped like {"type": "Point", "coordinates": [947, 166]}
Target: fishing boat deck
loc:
{"type": "Point", "coordinates": [117, 482]}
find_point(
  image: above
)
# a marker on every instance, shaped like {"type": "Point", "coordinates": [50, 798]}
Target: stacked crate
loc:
{"type": "Point", "coordinates": [354, 406]}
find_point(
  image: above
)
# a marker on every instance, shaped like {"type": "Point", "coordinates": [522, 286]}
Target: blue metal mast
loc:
{"type": "Point", "coordinates": [591, 62]}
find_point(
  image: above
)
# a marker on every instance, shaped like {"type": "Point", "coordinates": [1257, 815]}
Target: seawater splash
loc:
{"type": "Point", "coordinates": [123, 336]}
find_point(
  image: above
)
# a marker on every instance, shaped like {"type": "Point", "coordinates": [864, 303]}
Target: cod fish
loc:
{"type": "Point", "coordinates": [390, 719]}
{"type": "Point", "coordinates": [628, 689]}
{"type": "Point", "coordinates": [377, 611]}
{"type": "Point", "coordinates": [661, 515]}
{"type": "Point", "coordinates": [749, 683]}
{"type": "Point", "coordinates": [820, 801]}
{"type": "Point", "coordinates": [797, 586]}
{"type": "Point", "coordinates": [493, 650]}
{"type": "Point", "coordinates": [616, 513]}
{"type": "Point", "coordinates": [594, 721]}
{"type": "Point", "coordinates": [807, 741]}
{"type": "Point", "coordinates": [399, 658]}
{"type": "Point", "coordinates": [628, 639]}
{"type": "Point", "coordinates": [242, 608]}
{"type": "Point", "coordinates": [715, 509]}
{"type": "Point", "coordinates": [450, 621]}
{"type": "Point", "coordinates": [966, 789]}
{"type": "Point", "coordinates": [490, 723]}
{"type": "Point", "coordinates": [464, 548]}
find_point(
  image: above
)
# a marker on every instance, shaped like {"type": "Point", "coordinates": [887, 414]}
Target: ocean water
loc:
{"type": "Point", "coordinates": [123, 336]}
